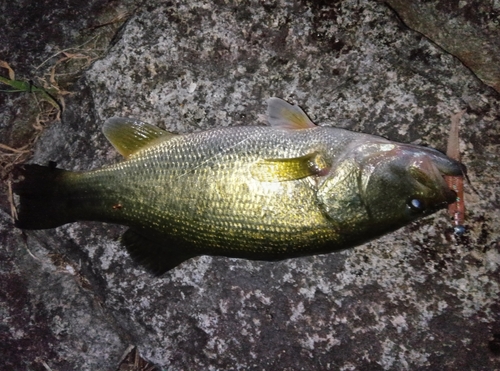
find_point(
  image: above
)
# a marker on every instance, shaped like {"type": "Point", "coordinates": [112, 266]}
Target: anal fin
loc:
{"type": "Point", "coordinates": [157, 255]}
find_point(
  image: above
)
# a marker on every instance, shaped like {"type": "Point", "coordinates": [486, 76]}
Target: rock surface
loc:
{"type": "Point", "coordinates": [417, 299]}
{"type": "Point", "coordinates": [470, 30]}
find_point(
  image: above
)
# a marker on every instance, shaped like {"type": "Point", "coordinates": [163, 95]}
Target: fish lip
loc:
{"type": "Point", "coordinates": [452, 167]}
{"type": "Point", "coordinates": [445, 164]}
{"type": "Point", "coordinates": [437, 166]}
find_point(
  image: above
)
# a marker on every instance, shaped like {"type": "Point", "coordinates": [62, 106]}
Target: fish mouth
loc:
{"type": "Point", "coordinates": [421, 169]}
{"type": "Point", "coordinates": [446, 165]}
{"type": "Point", "coordinates": [436, 166]}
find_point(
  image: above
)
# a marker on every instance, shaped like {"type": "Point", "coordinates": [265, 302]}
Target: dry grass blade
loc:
{"type": "Point", "coordinates": [23, 149]}
{"type": "Point", "coordinates": [132, 361]}
{"type": "Point", "coordinates": [121, 17]}
{"type": "Point", "coordinates": [43, 363]}
{"type": "Point", "coordinates": [66, 50]}
{"type": "Point", "coordinates": [10, 157]}
{"type": "Point", "coordinates": [10, 195]}
{"type": "Point", "coordinates": [4, 64]}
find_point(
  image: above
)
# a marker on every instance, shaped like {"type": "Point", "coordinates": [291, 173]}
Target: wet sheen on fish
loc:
{"type": "Point", "coordinates": [259, 192]}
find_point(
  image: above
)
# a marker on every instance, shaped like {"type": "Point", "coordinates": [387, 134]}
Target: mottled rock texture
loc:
{"type": "Point", "coordinates": [418, 299]}
{"type": "Point", "coordinates": [470, 30]}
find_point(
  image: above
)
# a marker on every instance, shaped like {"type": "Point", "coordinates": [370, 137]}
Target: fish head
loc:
{"type": "Point", "coordinates": [406, 182]}
{"type": "Point", "coordinates": [378, 186]}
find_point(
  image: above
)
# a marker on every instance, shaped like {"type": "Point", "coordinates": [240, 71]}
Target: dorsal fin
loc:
{"type": "Point", "coordinates": [285, 115]}
{"type": "Point", "coordinates": [129, 135]}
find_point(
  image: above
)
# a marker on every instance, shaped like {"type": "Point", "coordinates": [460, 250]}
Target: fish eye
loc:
{"type": "Point", "coordinates": [416, 204]}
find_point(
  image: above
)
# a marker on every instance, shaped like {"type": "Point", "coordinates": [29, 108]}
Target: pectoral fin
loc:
{"type": "Point", "coordinates": [129, 136]}
{"type": "Point", "coordinates": [284, 115]}
{"type": "Point", "coordinates": [280, 170]}
{"type": "Point", "coordinates": [157, 254]}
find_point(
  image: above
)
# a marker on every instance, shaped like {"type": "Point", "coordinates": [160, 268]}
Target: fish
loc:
{"type": "Point", "coordinates": [285, 190]}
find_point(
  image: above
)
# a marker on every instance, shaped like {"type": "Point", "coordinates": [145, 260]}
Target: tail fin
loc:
{"type": "Point", "coordinates": [42, 200]}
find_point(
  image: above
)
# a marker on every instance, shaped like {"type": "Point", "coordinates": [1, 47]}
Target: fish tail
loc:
{"type": "Point", "coordinates": [43, 197]}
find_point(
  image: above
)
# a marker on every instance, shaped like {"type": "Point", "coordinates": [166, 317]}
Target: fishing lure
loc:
{"type": "Point", "coordinates": [456, 210]}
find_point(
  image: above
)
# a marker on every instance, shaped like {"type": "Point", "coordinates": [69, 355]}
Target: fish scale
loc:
{"type": "Point", "coordinates": [209, 196]}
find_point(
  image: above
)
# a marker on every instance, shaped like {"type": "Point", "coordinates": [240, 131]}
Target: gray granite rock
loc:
{"type": "Point", "coordinates": [50, 312]}
{"type": "Point", "coordinates": [417, 299]}
{"type": "Point", "coordinates": [470, 30]}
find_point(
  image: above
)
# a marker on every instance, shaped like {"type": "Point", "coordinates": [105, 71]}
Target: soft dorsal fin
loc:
{"type": "Point", "coordinates": [285, 115]}
{"type": "Point", "coordinates": [129, 135]}
{"type": "Point", "coordinates": [286, 169]}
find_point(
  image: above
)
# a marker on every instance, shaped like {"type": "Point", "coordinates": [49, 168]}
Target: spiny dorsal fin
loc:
{"type": "Point", "coordinates": [279, 170]}
{"type": "Point", "coordinates": [284, 115]}
{"type": "Point", "coordinates": [129, 135]}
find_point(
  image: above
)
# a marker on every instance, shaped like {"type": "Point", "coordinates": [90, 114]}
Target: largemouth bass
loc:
{"type": "Point", "coordinates": [261, 192]}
